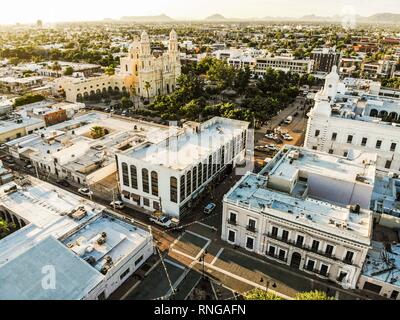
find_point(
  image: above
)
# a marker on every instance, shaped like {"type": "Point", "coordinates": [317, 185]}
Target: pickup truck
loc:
{"type": "Point", "coordinates": [161, 220]}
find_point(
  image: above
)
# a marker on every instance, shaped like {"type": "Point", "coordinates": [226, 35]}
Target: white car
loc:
{"type": "Point", "coordinates": [85, 191]}
{"type": "Point", "coordinates": [117, 204]}
{"type": "Point", "coordinates": [270, 136]}
{"type": "Point", "coordinates": [272, 147]}
{"type": "Point", "coordinates": [209, 208]}
{"type": "Point", "coordinates": [163, 221]}
{"type": "Point", "coordinates": [287, 137]}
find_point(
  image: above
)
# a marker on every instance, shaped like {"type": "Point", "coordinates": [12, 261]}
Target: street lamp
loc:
{"type": "Point", "coordinates": [202, 258]}
{"type": "Point", "coordinates": [267, 284]}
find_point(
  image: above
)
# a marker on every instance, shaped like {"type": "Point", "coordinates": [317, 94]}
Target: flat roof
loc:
{"type": "Point", "coordinates": [383, 265]}
{"type": "Point", "coordinates": [190, 147]}
{"type": "Point", "coordinates": [21, 278]}
{"type": "Point", "coordinates": [328, 165]}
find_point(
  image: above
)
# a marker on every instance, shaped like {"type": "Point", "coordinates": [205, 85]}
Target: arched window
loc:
{"type": "Point", "coordinates": [154, 183]}
{"type": "Point", "coordinates": [194, 171]}
{"type": "Point", "coordinates": [174, 190]}
{"type": "Point", "coordinates": [125, 174]}
{"type": "Point", "coordinates": [145, 180]}
{"type": "Point", "coordinates": [134, 182]}
{"type": "Point", "coordinates": [182, 188]}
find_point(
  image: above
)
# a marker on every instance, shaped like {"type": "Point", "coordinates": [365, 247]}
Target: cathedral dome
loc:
{"type": "Point", "coordinates": [144, 37]}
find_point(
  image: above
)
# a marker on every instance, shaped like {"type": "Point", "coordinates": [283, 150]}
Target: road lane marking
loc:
{"type": "Point", "coordinates": [197, 235]}
{"type": "Point", "coordinates": [217, 256]}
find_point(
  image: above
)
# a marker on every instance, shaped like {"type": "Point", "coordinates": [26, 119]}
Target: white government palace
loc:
{"type": "Point", "coordinates": [354, 114]}
{"type": "Point", "coordinates": [148, 73]}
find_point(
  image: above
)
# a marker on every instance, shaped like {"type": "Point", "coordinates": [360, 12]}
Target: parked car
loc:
{"type": "Point", "coordinates": [161, 219]}
{"type": "Point", "coordinates": [288, 120]}
{"type": "Point", "coordinates": [209, 208]}
{"type": "Point", "coordinates": [85, 191]}
{"type": "Point", "coordinates": [117, 204]}
{"type": "Point", "coordinates": [272, 147]}
{"type": "Point", "coordinates": [270, 136]}
{"type": "Point", "coordinates": [259, 148]}
{"type": "Point", "coordinates": [287, 137]}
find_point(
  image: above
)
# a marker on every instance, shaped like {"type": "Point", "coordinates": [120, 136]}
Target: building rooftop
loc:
{"type": "Point", "coordinates": [191, 146]}
{"type": "Point", "coordinates": [21, 278]}
{"type": "Point", "coordinates": [63, 230]}
{"type": "Point", "coordinates": [383, 263]}
{"type": "Point", "coordinates": [303, 188]}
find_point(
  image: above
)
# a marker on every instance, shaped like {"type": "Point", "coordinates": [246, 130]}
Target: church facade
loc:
{"type": "Point", "coordinates": [143, 72]}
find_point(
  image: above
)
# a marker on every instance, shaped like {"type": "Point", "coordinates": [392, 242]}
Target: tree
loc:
{"type": "Point", "coordinates": [110, 70]}
{"type": "Point", "coordinates": [258, 294]}
{"type": "Point", "coordinates": [28, 99]}
{"type": "Point", "coordinates": [147, 87]}
{"type": "Point", "coordinates": [5, 228]}
{"type": "Point", "coordinates": [126, 103]}
{"type": "Point", "coordinates": [68, 71]}
{"type": "Point", "coordinates": [56, 66]}
{"type": "Point", "coordinates": [313, 295]}
{"type": "Point", "coordinates": [97, 132]}
{"type": "Point", "coordinates": [221, 73]}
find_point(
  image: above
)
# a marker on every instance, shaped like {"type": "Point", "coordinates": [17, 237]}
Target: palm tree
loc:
{"type": "Point", "coordinates": [147, 87]}
{"type": "Point", "coordinates": [97, 132]}
{"type": "Point", "coordinates": [133, 94]}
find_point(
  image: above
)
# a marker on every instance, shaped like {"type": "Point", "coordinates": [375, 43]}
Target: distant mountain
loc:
{"type": "Point", "coordinates": [216, 17]}
{"type": "Point", "coordinates": [159, 18]}
{"type": "Point", "coordinates": [385, 17]}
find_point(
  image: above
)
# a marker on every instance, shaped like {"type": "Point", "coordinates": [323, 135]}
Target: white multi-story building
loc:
{"type": "Point", "coordinates": [85, 251]}
{"type": "Point", "coordinates": [170, 175]}
{"type": "Point", "coordinates": [283, 63]}
{"type": "Point", "coordinates": [348, 116]}
{"type": "Point", "coordinates": [305, 209]}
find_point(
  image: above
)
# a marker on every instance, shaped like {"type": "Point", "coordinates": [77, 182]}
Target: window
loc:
{"type": "Point", "coordinates": [146, 202]}
{"type": "Point", "coordinates": [310, 265]}
{"type": "Point", "coordinates": [200, 170]}
{"type": "Point", "coordinates": [194, 179]}
{"type": "Point", "coordinates": [231, 236]}
{"type": "Point", "coordinates": [364, 142]}
{"type": "Point", "coordinates": [345, 154]}
{"type": "Point", "coordinates": [214, 164]}
{"type": "Point", "coordinates": [124, 274]}
{"type": "Point", "coordinates": [182, 188]}
{"type": "Point", "coordinates": [394, 295]}
{"type": "Point", "coordinates": [329, 250]}
{"type": "Point", "coordinates": [349, 139]}
{"type": "Point", "coordinates": [204, 173]}
{"type": "Point", "coordinates": [323, 270]}
{"type": "Point", "coordinates": [378, 144]}
{"type": "Point", "coordinates": [138, 260]}
{"type": "Point", "coordinates": [314, 147]}
{"type": "Point", "coordinates": [330, 151]}
{"type": "Point", "coordinates": [154, 183]}
{"type": "Point", "coordinates": [174, 190]}
{"type": "Point", "coordinates": [250, 243]}
{"type": "Point", "coordinates": [349, 257]}
{"type": "Point", "coordinates": [252, 225]}
{"type": "Point", "coordinates": [145, 180]}
{"type": "Point", "coordinates": [315, 245]}
{"type": "Point", "coordinates": [372, 287]}
{"type": "Point", "coordinates": [209, 167]}
{"type": "Point", "coordinates": [274, 231]}
{"type": "Point", "coordinates": [125, 174]}
{"type": "Point", "coordinates": [393, 147]}
{"type": "Point", "coordinates": [232, 218]}
{"type": "Point", "coordinates": [134, 181]}
{"type": "Point", "coordinates": [334, 136]}
{"type": "Point", "coordinates": [271, 251]}
{"type": "Point", "coordinates": [282, 254]}
{"type": "Point", "coordinates": [299, 241]}
{"type": "Point", "coordinates": [388, 164]}
{"type": "Point", "coordinates": [156, 205]}
{"type": "Point", "coordinates": [101, 296]}
{"type": "Point", "coordinates": [317, 132]}
{"type": "Point", "coordinates": [285, 234]}
{"type": "Point", "coordinates": [188, 183]}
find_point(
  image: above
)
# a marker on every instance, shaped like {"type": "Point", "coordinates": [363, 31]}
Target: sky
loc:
{"type": "Point", "coordinates": [26, 11]}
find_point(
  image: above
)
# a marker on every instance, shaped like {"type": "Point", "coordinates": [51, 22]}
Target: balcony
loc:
{"type": "Point", "coordinates": [304, 247]}
{"type": "Point", "coordinates": [276, 256]}
{"type": "Point", "coordinates": [316, 271]}
{"type": "Point", "coordinates": [232, 222]}
{"type": "Point", "coordinates": [251, 229]}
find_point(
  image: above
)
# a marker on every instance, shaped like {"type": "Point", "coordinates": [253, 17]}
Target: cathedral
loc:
{"type": "Point", "coordinates": [144, 72]}
{"type": "Point", "coordinates": [152, 74]}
